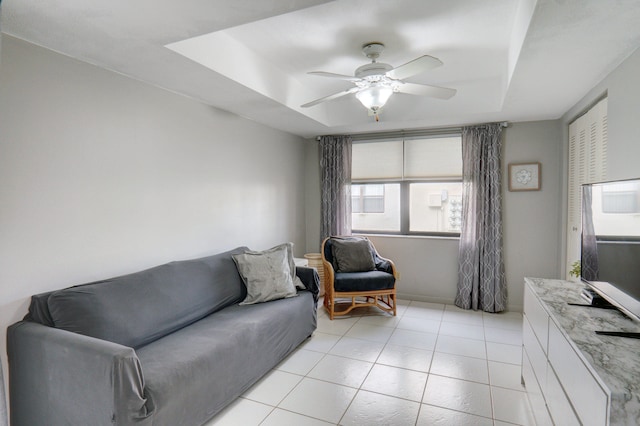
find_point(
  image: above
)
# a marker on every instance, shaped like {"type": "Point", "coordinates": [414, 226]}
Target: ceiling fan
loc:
{"type": "Point", "coordinates": [377, 81]}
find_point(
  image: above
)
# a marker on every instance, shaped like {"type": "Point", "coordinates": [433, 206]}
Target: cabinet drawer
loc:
{"type": "Point", "coordinates": [536, 398]}
{"type": "Point", "coordinates": [590, 401]}
{"type": "Point", "coordinates": [538, 317]}
{"type": "Point", "coordinates": [534, 351]}
{"type": "Point", "coordinates": [559, 406]}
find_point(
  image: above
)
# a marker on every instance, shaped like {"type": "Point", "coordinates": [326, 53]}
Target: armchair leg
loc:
{"type": "Point", "coordinates": [391, 301]}
{"type": "Point", "coordinates": [385, 302]}
{"type": "Point", "coordinates": [329, 304]}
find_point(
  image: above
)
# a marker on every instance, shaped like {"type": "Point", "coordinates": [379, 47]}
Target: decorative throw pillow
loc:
{"type": "Point", "coordinates": [290, 259]}
{"type": "Point", "coordinates": [266, 274]}
{"type": "Point", "coordinates": [352, 255]}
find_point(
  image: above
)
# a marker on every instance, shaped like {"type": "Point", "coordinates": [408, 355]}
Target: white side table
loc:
{"type": "Point", "coordinates": [299, 261]}
{"type": "Point", "coordinates": [315, 261]}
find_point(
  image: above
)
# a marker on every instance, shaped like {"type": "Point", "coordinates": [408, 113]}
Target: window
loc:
{"type": "Point", "coordinates": [620, 198]}
{"type": "Point", "coordinates": [386, 218]}
{"type": "Point", "coordinates": [407, 185]}
{"type": "Point", "coordinates": [367, 199]}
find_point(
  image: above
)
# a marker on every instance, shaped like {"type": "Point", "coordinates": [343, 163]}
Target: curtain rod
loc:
{"type": "Point", "coordinates": [412, 132]}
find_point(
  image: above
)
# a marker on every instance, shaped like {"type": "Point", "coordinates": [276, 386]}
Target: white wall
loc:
{"type": "Point", "coordinates": [312, 195]}
{"type": "Point", "coordinates": [102, 175]}
{"type": "Point", "coordinates": [428, 266]}
{"type": "Point", "coordinates": [531, 219]}
{"type": "Point", "coordinates": [3, 402]}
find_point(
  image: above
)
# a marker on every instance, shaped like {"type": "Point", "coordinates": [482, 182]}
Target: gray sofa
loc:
{"type": "Point", "coordinates": [166, 346]}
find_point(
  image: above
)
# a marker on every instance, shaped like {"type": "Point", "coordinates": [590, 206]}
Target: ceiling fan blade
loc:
{"type": "Point", "coordinates": [332, 75]}
{"type": "Point", "coordinates": [426, 90]}
{"type": "Point", "coordinates": [330, 97]}
{"type": "Point", "coordinates": [421, 64]}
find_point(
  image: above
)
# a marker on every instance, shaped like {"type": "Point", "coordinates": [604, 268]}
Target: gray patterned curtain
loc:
{"type": "Point", "coordinates": [590, 268]}
{"type": "Point", "coordinates": [335, 181]}
{"type": "Point", "coordinates": [481, 279]}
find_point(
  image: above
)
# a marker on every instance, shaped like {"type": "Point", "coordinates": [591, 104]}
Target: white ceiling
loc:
{"type": "Point", "coordinates": [513, 60]}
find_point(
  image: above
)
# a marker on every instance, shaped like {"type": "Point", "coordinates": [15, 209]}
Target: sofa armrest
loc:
{"type": "Point", "coordinates": [310, 279]}
{"type": "Point", "coordinates": [59, 377]}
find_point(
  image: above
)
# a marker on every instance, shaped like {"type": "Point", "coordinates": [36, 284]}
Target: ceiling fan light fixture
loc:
{"type": "Point", "coordinates": [374, 97]}
{"type": "Point", "coordinates": [377, 81]}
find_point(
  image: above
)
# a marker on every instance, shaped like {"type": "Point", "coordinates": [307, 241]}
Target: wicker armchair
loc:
{"type": "Point", "coordinates": [354, 270]}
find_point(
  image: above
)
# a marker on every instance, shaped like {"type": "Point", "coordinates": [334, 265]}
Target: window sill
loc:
{"type": "Point", "coordinates": [409, 237]}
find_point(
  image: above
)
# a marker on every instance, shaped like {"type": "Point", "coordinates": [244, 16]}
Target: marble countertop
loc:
{"type": "Point", "coordinates": [614, 360]}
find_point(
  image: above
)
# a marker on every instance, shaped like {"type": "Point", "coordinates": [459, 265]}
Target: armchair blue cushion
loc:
{"type": "Point", "coordinates": [363, 281]}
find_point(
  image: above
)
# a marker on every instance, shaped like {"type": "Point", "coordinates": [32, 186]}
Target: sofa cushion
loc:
{"type": "Point", "coordinates": [352, 255]}
{"type": "Point", "coordinates": [202, 368]}
{"type": "Point", "coordinates": [266, 274]}
{"type": "Point", "coordinates": [136, 309]}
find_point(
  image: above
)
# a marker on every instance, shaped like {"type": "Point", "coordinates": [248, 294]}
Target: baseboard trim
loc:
{"type": "Point", "coordinates": [511, 307]}
{"type": "Point", "coordinates": [423, 298]}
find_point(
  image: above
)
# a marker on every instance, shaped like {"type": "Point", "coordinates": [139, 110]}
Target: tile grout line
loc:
{"type": "Point", "coordinates": [484, 333]}
{"type": "Point", "coordinates": [433, 354]}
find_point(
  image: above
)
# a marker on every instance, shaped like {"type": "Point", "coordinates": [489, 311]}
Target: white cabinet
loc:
{"type": "Point", "coordinates": [558, 380]}
{"type": "Point", "coordinates": [581, 387]}
{"type": "Point", "coordinates": [558, 402]}
{"type": "Point", "coordinates": [535, 353]}
{"type": "Point", "coordinates": [538, 318]}
{"type": "Point", "coordinates": [534, 391]}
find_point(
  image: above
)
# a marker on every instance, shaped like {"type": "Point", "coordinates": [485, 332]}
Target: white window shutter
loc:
{"type": "Point", "coordinates": [587, 163]}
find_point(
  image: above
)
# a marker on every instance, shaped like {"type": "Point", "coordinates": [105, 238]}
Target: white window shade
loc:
{"type": "Point", "coordinates": [377, 160]}
{"type": "Point", "coordinates": [430, 158]}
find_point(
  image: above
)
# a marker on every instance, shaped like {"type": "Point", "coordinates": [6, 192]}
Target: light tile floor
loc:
{"type": "Point", "coordinates": [432, 364]}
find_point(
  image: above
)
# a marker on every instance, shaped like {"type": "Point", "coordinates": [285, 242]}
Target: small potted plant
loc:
{"type": "Point", "coordinates": [575, 269]}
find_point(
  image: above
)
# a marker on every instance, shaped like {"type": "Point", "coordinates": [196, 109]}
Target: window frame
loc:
{"type": "Point", "coordinates": [405, 187]}
{"type": "Point", "coordinates": [405, 206]}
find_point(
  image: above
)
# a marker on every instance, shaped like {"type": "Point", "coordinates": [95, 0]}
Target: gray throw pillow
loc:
{"type": "Point", "coordinates": [290, 258]}
{"type": "Point", "coordinates": [352, 255]}
{"type": "Point", "coordinates": [266, 274]}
